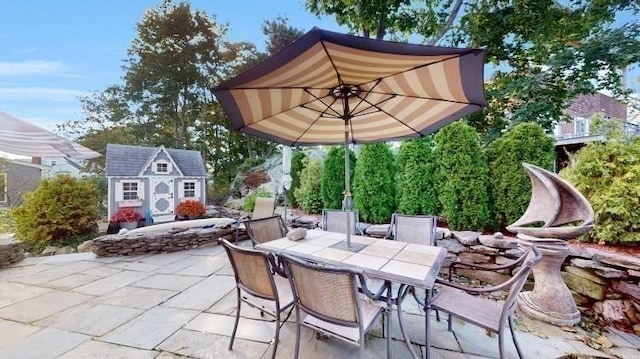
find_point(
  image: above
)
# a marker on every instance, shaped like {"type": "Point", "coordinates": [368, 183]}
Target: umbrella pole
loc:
{"type": "Point", "coordinates": [347, 177]}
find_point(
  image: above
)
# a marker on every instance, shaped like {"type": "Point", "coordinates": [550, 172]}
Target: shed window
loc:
{"type": "Point", "coordinates": [162, 167]}
{"type": "Point", "coordinates": [129, 191]}
{"type": "Point", "coordinates": [189, 189]}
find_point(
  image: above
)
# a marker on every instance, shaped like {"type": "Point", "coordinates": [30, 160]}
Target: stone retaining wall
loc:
{"type": "Point", "coordinates": [173, 240]}
{"type": "Point", "coordinates": [10, 252]}
{"type": "Point", "coordinates": [605, 283]}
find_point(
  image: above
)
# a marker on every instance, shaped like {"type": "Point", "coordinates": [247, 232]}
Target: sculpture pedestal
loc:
{"type": "Point", "coordinates": [550, 301]}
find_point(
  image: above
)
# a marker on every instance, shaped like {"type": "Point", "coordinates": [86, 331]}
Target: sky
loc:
{"type": "Point", "coordinates": [51, 52]}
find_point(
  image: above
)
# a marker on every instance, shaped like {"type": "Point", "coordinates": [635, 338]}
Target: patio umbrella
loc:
{"type": "Point", "coordinates": [330, 88]}
{"type": "Point", "coordinates": [22, 138]}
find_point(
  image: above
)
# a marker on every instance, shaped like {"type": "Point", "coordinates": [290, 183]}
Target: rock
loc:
{"type": "Point", "coordinates": [584, 286]}
{"type": "Point", "coordinates": [485, 276]}
{"type": "Point", "coordinates": [468, 238]}
{"type": "Point", "coordinates": [474, 257]}
{"type": "Point", "coordinates": [85, 246]}
{"type": "Point", "coordinates": [377, 230]}
{"type": "Point", "coordinates": [448, 259]}
{"type": "Point", "coordinates": [579, 252]}
{"type": "Point", "coordinates": [297, 234]}
{"type": "Point", "coordinates": [446, 232]}
{"type": "Point", "coordinates": [611, 273]}
{"type": "Point", "coordinates": [65, 250]}
{"type": "Point", "coordinates": [584, 263]}
{"type": "Point", "coordinates": [630, 289]}
{"type": "Point", "coordinates": [502, 260]}
{"type": "Point", "coordinates": [586, 274]}
{"type": "Point", "coordinates": [501, 243]}
{"type": "Point", "coordinates": [615, 311]}
{"type": "Point", "coordinates": [636, 329]}
{"type": "Point", "coordinates": [580, 299]}
{"type": "Point", "coordinates": [49, 251]}
{"type": "Point", "coordinates": [626, 262]}
{"type": "Point", "coordinates": [309, 222]}
{"type": "Point", "coordinates": [634, 273]}
{"type": "Point", "coordinates": [498, 235]}
{"type": "Point", "coordinates": [484, 250]}
{"type": "Point", "coordinates": [451, 245]}
{"type": "Point", "coordinates": [514, 253]}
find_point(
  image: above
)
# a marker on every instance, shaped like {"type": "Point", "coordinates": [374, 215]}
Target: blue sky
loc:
{"type": "Point", "coordinates": [51, 52]}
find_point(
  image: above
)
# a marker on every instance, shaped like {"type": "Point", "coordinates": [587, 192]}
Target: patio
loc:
{"type": "Point", "coordinates": [181, 305]}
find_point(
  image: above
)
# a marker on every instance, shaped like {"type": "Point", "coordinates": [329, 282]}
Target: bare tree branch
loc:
{"type": "Point", "coordinates": [448, 23]}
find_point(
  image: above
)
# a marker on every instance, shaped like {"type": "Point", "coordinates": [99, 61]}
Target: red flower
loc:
{"type": "Point", "coordinates": [126, 215]}
{"type": "Point", "coordinates": [190, 209]}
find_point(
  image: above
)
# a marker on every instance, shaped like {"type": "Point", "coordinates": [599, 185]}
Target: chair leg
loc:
{"type": "Point", "coordinates": [450, 323]}
{"type": "Point", "coordinates": [277, 336]}
{"type": "Point", "coordinates": [297, 333]}
{"type": "Point", "coordinates": [501, 344]}
{"type": "Point", "coordinates": [513, 336]}
{"type": "Point", "coordinates": [362, 334]}
{"type": "Point", "coordinates": [235, 326]}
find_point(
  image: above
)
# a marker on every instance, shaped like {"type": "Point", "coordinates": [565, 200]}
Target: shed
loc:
{"type": "Point", "coordinates": [153, 180]}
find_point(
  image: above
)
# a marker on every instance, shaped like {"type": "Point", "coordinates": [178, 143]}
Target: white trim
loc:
{"type": "Point", "coordinates": [5, 193]}
{"type": "Point", "coordinates": [151, 160]}
{"type": "Point", "coordinates": [196, 189]}
{"type": "Point", "coordinates": [119, 190]}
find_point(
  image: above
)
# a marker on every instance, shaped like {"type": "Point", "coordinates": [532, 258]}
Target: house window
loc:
{"type": "Point", "coordinates": [189, 189]}
{"type": "Point", "coordinates": [129, 191]}
{"type": "Point", "coordinates": [162, 167]}
{"type": "Point", "coordinates": [3, 187]}
{"type": "Point", "coordinates": [581, 126]}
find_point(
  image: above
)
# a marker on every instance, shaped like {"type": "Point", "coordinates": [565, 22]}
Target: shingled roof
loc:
{"type": "Point", "coordinates": [125, 160]}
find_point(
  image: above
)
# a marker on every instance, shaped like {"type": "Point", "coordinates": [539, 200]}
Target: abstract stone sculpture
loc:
{"type": "Point", "coordinates": [563, 213]}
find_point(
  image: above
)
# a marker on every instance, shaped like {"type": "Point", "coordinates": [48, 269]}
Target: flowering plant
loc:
{"type": "Point", "coordinates": [126, 215]}
{"type": "Point", "coordinates": [190, 209]}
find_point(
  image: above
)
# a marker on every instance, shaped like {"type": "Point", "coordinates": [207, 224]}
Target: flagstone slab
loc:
{"type": "Point", "coordinates": [205, 251]}
{"type": "Point", "coordinates": [14, 271]}
{"type": "Point", "coordinates": [226, 270]}
{"type": "Point", "coordinates": [204, 294]}
{"type": "Point", "coordinates": [72, 281]}
{"type": "Point", "coordinates": [227, 306]}
{"type": "Point", "coordinates": [57, 272]}
{"type": "Point", "coordinates": [11, 293]}
{"type": "Point", "coordinates": [47, 343]}
{"type": "Point", "coordinates": [111, 283]}
{"type": "Point", "coordinates": [134, 266]}
{"type": "Point", "coordinates": [174, 267]}
{"type": "Point", "coordinates": [93, 349]}
{"type": "Point", "coordinates": [164, 258]}
{"type": "Point", "coordinates": [151, 328]}
{"type": "Point", "coordinates": [14, 332]}
{"type": "Point", "coordinates": [205, 266]}
{"type": "Point", "coordinates": [250, 329]}
{"type": "Point", "coordinates": [102, 271]}
{"type": "Point", "coordinates": [136, 297]}
{"type": "Point", "coordinates": [91, 319]}
{"type": "Point", "coordinates": [71, 257]}
{"type": "Point", "coordinates": [168, 282]}
{"type": "Point", "coordinates": [42, 306]}
{"type": "Point", "coordinates": [195, 344]}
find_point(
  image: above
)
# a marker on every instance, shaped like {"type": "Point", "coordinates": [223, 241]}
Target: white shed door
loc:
{"type": "Point", "coordinates": [162, 196]}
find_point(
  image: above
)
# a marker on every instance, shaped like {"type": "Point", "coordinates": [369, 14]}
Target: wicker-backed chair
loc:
{"type": "Point", "coordinates": [329, 298]}
{"type": "Point", "coordinates": [258, 285]}
{"type": "Point", "coordinates": [455, 299]}
{"type": "Point", "coordinates": [336, 221]}
{"type": "Point", "coordinates": [265, 229]}
{"type": "Point", "coordinates": [413, 229]}
{"type": "Point", "coordinates": [264, 207]}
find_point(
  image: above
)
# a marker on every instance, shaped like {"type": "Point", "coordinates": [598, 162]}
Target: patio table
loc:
{"type": "Point", "coordinates": [410, 265]}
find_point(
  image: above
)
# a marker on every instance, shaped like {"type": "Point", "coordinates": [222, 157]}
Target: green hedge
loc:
{"type": "Point", "coordinates": [509, 185]}
{"type": "Point", "coordinates": [333, 176]}
{"type": "Point", "coordinates": [308, 194]}
{"type": "Point", "coordinates": [461, 177]}
{"type": "Point", "coordinates": [416, 193]}
{"type": "Point", "coordinates": [374, 183]}
{"type": "Point", "coordinates": [297, 165]}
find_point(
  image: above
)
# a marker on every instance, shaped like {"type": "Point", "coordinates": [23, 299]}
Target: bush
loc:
{"type": "Point", "coordinates": [218, 193]}
{"type": "Point", "coordinates": [416, 193]}
{"type": "Point", "coordinates": [250, 201]}
{"type": "Point", "coordinates": [374, 189]}
{"type": "Point", "coordinates": [255, 179]}
{"type": "Point", "coordinates": [191, 209]}
{"type": "Point", "coordinates": [509, 185]}
{"type": "Point", "coordinates": [461, 177]}
{"type": "Point", "coordinates": [6, 224]}
{"type": "Point", "coordinates": [308, 194]}
{"type": "Point", "coordinates": [608, 174]}
{"type": "Point", "coordinates": [59, 208]}
{"type": "Point", "coordinates": [297, 165]}
{"type": "Point", "coordinates": [126, 214]}
{"type": "Point", "coordinates": [332, 183]}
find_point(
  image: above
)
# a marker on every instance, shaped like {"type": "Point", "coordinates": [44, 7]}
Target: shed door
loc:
{"type": "Point", "coordinates": [162, 196]}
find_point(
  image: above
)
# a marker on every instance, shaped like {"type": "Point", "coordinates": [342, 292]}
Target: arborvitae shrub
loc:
{"type": "Point", "coordinates": [308, 194]}
{"type": "Point", "coordinates": [461, 177]}
{"type": "Point", "coordinates": [296, 167]}
{"type": "Point", "coordinates": [608, 174]}
{"type": "Point", "coordinates": [416, 191]}
{"type": "Point", "coordinates": [333, 176]}
{"type": "Point", "coordinates": [374, 183]}
{"type": "Point", "coordinates": [59, 208]}
{"type": "Point", "coordinates": [509, 185]}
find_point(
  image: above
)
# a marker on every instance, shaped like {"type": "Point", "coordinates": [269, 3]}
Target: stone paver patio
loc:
{"type": "Point", "coordinates": [182, 305]}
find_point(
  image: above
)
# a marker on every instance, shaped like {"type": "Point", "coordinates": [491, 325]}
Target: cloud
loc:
{"type": "Point", "coordinates": [8, 94]}
{"type": "Point", "coordinates": [32, 67]}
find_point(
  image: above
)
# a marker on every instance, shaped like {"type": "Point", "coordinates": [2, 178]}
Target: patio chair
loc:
{"type": "Point", "coordinates": [265, 229]}
{"type": "Point", "coordinates": [413, 229]}
{"type": "Point", "coordinates": [336, 221]}
{"type": "Point", "coordinates": [329, 298]}
{"type": "Point", "coordinates": [264, 207]}
{"type": "Point", "coordinates": [455, 299]}
{"type": "Point", "coordinates": [258, 285]}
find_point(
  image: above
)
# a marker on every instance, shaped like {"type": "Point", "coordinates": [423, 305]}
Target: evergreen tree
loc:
{"type": "Point", "coordinates": [333, 176]}
{"type": "Point", "coordinates": [374, 183]}
{"type": "Point", "coordinates": [308, 194]}
{"type": "Point", "coordinates": [416, 191]}
{"type": "Point", "coordinates": [297, 165]}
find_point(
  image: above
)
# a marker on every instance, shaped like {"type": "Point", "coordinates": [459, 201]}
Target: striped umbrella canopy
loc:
{"type": "Point", "coordinates": [329, 88]}
{"type": "Point", "coordinates": [22, 138]}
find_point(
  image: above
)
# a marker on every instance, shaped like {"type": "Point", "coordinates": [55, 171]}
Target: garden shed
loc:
{"type": "Point", "coordinates": [153, 180]}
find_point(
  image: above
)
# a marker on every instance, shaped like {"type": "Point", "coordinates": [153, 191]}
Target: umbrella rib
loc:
{"type": "Point", "coordinates": [321, 100]}
{"type": "Point", "coordinates": [367, 93]}
{"type": "Point", "coordinates": [390, 115]}
{"type": "Point", "coordinates": [430, 98]}
{"type": "Point", "coordinates": [335, 68]}
{"type": "Point", "coordinates": [379, 103]}
{"type": "Point", "coordinates": [307, 130]}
